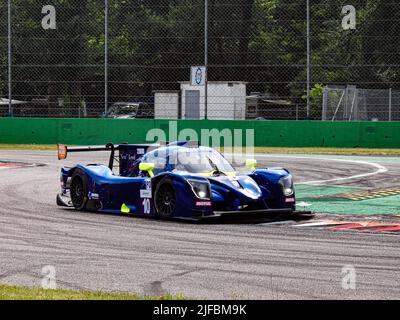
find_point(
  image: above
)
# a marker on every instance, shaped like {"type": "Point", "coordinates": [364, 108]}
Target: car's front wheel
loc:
{"type": "Point", "coordinates": [165, 199]}
{"type": "Point", "coordinates": [78, 190]}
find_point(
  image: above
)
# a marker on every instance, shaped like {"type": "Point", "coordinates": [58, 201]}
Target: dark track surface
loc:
{"type": "Point", "coordinates": [227, 261]}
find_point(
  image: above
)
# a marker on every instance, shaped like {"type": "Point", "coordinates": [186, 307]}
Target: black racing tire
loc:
{"type": "Point", "coordinates": [79, 190]}
{"type": "Point", "coordinates": [165, 199]}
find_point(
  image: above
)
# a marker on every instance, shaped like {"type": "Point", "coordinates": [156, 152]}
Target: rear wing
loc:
{"type": "Point", "coordinates": [63, 150]}
{"type": "Point", "coordinates": [127, 156]}
{"type": "Point", "coordinates": [127, 153]}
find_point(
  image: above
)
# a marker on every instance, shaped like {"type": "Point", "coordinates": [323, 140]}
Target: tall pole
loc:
{"type": "Point", "coordinates": [105, 56]}
{"type": "Point", "coordinates": [308, 60]}
{"type": "Point", "coordinates": [10, 111]}
{"type": "Point", "coordinates": [206, 59]}
{"type": "Point", "coordinates": [390, 104]}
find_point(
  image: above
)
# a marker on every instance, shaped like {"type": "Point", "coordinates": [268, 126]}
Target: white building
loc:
{"type": "Point", "coordinates": [166, 105]}
{"type": "Point", "coordinates": [226, 101]}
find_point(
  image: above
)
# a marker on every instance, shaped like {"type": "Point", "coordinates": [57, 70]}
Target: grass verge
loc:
{"type": "Point", "coordinates": [22, 293]}
{"type": "Point", "coordinates": [334, 151]}
{"type": "Point", "coordinates": [28, 147]}
{"type": "Point", "coordinates": [331, 151]}
{"type": "Point", "coordinates": [272, 150]}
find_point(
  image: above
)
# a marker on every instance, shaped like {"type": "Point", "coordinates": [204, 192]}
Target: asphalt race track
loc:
{"type": "Point", "coordinates": [213, 261]}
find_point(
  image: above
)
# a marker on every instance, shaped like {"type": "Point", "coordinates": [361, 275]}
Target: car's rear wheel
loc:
{"type": "Point", "coordinates": [78, 190]}
{"type": "Point", "coordinates": [165, 199]}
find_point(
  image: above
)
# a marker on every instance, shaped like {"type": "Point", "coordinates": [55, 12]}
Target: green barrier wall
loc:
{"type": "Point", "coordinates": [267, 133]}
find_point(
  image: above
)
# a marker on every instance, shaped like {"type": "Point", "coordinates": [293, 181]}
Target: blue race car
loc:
{"type": "Point", "coordinates": [175, 180]}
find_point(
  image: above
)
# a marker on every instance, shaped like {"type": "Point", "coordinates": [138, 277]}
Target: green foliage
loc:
{"type": "Point", "coordinates": [153, 43]}
{"type": "Point", "coordinates": [316, 97]}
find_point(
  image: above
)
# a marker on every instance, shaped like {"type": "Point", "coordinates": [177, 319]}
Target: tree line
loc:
{"type": "Point", "coordinates": [154, 42]}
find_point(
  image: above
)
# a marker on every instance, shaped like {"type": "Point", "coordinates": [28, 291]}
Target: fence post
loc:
{"type": "Point", "coordinates": [325, 97]}
{"type": "Point", "coordinates": [105, 56]}
{"type": "Point", "coordinates": [206, 59]}
{"type": "Point", "coordinates": [10, 109]}
{"type": "Point", "coordinates": [390, 104]}
{"type": "Point", "coordinates": [308, 60]}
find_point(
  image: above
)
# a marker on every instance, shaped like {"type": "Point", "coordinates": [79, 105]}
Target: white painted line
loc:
{"type": "Point", "coordinates": [278, 223]}
{"type": "Point", "coordinates": [304, 204]}
{"type": "Point", "coordinates": [319, 224]}
{"type": "Point", "coordinates": [379, 168]}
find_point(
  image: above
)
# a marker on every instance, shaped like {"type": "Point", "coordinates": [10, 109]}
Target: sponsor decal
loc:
{"type": "Point", "coordinates": [289, 200]}
{"type": "Point", "coordinates": [140, 151]}
{"type": "Point", "coordinates": [148, 184]}
{"type": "Point", "coordinates": [145, 194]}
{"type": "Point", "coordinates": [128, 156]}
{"type": "Point", "coordinates": [203, 204]}
{"type": "Point", "coordinates": [94, 196]}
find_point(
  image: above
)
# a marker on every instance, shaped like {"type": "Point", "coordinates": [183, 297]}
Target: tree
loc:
{"type": "Point", "coordinates": [153, 43]}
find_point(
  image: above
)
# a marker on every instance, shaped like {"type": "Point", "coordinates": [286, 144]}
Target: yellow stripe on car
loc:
{"type": "Point", "coordinates": [125, 209]}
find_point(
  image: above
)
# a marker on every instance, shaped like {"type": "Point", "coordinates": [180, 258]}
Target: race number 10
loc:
{"type": "Point", "coordinates": [146, 206]}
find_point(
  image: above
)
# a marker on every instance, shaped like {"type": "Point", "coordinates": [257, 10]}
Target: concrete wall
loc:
{"type": "Point", "coordinates": [166, 104]}
{"type": "Point", "coordinates": [267, 133]}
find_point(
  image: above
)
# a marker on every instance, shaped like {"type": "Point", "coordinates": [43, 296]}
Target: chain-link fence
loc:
{"type": "Point", "coordinates": [353, 104]}
{"type": "Point", "coordinates": [257, 57]}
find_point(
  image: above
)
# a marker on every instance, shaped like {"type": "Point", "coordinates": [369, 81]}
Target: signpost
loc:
{"type": "Point", "coordinates": [198, 76]}
{"type": "Point", "coordinates": [106, 34]}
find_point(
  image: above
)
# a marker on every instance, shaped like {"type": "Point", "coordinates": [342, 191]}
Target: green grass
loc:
{"type": "Point", "coordinates": [272, 150]}
{"type": "Point", "coordinates": [28, 147]}
{"type": "Point", "coordinates": [333, 151]}
{"type": "Point", "coordinates": [378, 206]}
{"type": "Point", "coordinates": [22, 293]}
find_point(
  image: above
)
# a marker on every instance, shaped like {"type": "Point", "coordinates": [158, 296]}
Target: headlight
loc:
{"type": "Point", "coordinates": [287, 185]}
{"type": "Point", "coordinates": [201, 189]}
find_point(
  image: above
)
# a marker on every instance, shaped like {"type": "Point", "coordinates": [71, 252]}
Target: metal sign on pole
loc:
{"type": "Point", "coordinates": [10, 110]}
{"type": "Point", "coordinates": [198, 76]}
{"type": "Point", "coordinates": [105, 56]}
{"type": "Point", "coordinates": [206, 59]}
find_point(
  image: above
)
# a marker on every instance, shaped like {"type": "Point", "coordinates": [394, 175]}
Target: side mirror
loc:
{"type": "Point", "coordinates": [148, 167]}
{"type": "Point", "coordinates": [251, 163]}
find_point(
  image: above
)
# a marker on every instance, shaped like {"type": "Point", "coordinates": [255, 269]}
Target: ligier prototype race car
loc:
{"type": "Point", "coordinates": [175, 180]}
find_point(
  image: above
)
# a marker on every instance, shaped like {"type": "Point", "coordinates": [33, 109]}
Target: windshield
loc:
{"type": "Point", "coordinates": [199, 160]}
